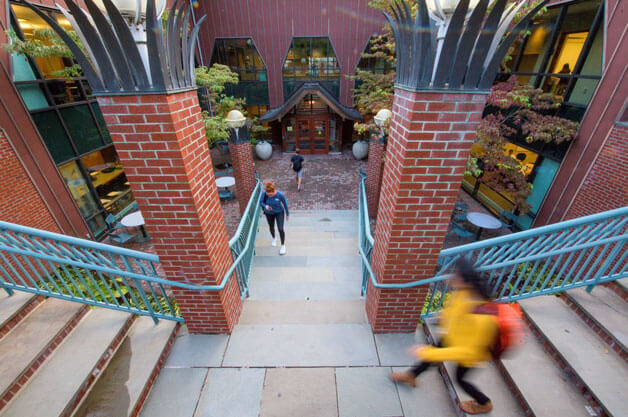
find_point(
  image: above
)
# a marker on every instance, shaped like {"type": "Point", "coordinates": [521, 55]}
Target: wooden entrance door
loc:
{"type": "Point", "coordinates": [313, 134]}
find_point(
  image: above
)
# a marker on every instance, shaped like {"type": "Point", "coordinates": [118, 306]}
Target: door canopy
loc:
{"type": "Point", "coordinates": [277, 113]}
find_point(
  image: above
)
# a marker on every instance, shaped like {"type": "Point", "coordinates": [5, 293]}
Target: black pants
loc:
{"type": "Point", "coordinates": [271, 224]}
{"type": "Point", "coordinates": [461, 371]}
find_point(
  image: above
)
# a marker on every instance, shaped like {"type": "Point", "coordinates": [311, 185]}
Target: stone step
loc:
{"type": "Point", "coordinates": [32, 340]}
{"type": "Point", "coordinates": [298, 240]}
{"type": "Point", "coordinates": [546, 390]}
{"type": "Point", "coordinates": [118, 391]}
{"type": "Point", "coordinates": [61, 381]}
{"type": "Point", "coordinates": [14, 308]}
{"type": "Point", "coordinates": [306, 291]}
{"type": "Point", "coordinates": [303, 312]}
{"type": "Point", "coordinates": [487, 379]}
{"type": "Point", "coordinates": [606, 312]}
{"type": "Point", "coordinates": [308, 249]}
{"type": "Point", "coordinates": [601, 372]}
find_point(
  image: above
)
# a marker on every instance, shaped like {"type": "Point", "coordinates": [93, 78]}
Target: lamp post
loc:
{"type": "Point", "coordinates": [241, 157]}
{"type": "Point", "coordinates": [375, 166]}
{"type": "Point", "coordinates": [235, 119]}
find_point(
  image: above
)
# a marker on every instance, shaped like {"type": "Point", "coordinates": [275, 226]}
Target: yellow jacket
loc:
{"type": "Point", "coordinates": [468, 336]}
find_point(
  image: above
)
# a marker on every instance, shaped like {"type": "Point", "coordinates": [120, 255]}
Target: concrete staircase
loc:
{"type": "Point", "coordinates": [60, 358]}
{"type": "Point", "coordinates": [303, 347]}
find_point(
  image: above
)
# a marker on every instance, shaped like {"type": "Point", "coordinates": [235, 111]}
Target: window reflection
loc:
{"type": "Point", "coordinates": [108, 179]}
{"type": "Point", "coordinates": [311, 59]}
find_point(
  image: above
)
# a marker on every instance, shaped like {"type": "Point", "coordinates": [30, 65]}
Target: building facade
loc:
{"type": "Point", "coordinates": [293, 59]}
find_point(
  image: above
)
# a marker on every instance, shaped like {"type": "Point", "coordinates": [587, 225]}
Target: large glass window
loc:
{"type": "Point", "coordinates": [311, 59]}
{"type": "Point", "coordinates": [71, 124]}
{"type": "Point", "coordinates": [372, 61]}
{"type": "Point", "coordinates": [242, 57]}
{"type": "Point", "coordinates": [563, 54]}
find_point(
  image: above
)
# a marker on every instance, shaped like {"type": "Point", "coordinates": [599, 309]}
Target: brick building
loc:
{"type": "Point", "coordinates": [56, 131]}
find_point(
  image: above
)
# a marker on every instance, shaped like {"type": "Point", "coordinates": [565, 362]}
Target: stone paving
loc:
{"type": "Point", "coordinates": [303, 346]}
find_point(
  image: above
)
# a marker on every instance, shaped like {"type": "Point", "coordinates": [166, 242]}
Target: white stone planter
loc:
{"type": "Point", "coordinates": [263, 150]}
{"type": "Point", "coordinates": [360, 149]}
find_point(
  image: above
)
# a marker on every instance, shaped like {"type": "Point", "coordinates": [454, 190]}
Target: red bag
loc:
{"type": "Point", "coordinates": [510, 326]}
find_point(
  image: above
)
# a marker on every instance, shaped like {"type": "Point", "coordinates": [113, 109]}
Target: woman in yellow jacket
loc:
{"type": "Point", "coordinates": [467, 339]}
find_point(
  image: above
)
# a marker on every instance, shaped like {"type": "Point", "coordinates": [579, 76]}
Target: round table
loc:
{"type": "Point", "coordinates": [134, 220]}
{"type": "Point", "coordinates": [225, 182]}
{"type": "Point", "coordinates": [483, 221]}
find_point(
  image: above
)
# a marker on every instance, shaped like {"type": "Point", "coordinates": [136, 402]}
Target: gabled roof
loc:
{"type": "Point", "coordinates": [305, 89]}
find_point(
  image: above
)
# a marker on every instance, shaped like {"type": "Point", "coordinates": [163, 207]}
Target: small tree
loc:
{"type": "Point", "coordinates": [513, 112]}
{"type": "Point", "coordinates": [213, 81]}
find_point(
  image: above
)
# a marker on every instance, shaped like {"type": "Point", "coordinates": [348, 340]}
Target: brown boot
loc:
{"type": "Point", "coordinates": [473, 407]}
{"type": "Point", "coordinates": [404, 378]}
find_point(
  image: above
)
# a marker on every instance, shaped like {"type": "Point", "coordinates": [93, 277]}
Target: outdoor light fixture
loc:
{"type": "Point", "coordinates": [236, 120]}
{"type": "Point", "coordinates": [444, 9]}
{"type": "Point", "coordinates": [382, 117]}
{"type": "Point", "coordinates": [133, 9]}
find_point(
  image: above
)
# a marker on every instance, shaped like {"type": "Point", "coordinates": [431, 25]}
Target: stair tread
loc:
{"type": "Point", "coordinates": [25, 342]}
{"type": "Point", "coordinates": [546, 390]}
{"type": "Point", "coordinates": [118, 390]}
{"type": "Point", "coordinates": [489, 381]}
{"type": "Point", "coordinates": [54, 385]}
{"type": "Point", "coordinates": [11, 305]}
{"type": "Point", "coordinates": [605, 307]}
{"type": "Point", "coordinates": [604, 372]}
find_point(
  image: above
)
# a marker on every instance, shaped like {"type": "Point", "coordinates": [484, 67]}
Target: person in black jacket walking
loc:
{"type": "Point", "coordinates": [274, 204]}
{"type": "Point", "coordinates": [297, 166]}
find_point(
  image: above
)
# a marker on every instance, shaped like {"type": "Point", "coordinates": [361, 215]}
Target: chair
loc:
{"type": "Point", "coordinates": [225, 195]}
{"type": "Point", "coordinates": [511, 219]}
{"type": "Point", "coordinates": [113, 226]}
{"type": "Point", "coordinates": [460, 212]}
{"type": "Point", "coordinates": [460, 231]}
{"type": "Point", "coordinates": [224, 173]}
{"type": "Point", "coordinates": [120, 238]}
{"type": "Point", "coordinates": [112, 223]}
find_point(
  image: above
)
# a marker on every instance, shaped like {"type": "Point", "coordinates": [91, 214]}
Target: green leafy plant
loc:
{"type": "Point", "coordinates": [46, 43]}
{"type": "Point", "coordinates": [76, 282]}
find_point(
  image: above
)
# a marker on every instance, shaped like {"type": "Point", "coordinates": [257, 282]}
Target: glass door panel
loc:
{"type": "Point", "coordinates": [290, 136]}
{"type": "Point", "coordinates": [304, 140]}
{"type": "Point", "coordinates": [319, 136]}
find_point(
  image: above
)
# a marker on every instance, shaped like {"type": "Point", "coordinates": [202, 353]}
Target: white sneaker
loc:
{"type": "Point", "coordinates": [274, 242]}
{"type": "Point", "coordinates": [282, 250]}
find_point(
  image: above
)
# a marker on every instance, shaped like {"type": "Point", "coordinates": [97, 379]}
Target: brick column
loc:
{"type": "Point", "coordinates": [374, 172]}
{"type": "Point", "coordinates": [161, 143]}
{"type": "Point", "coordinates": [243, 165]}
{"type": "Point", "coordinates": [430, 138]}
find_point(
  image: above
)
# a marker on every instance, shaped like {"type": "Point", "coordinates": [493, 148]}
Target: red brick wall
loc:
{"type": "Point", "coordinates": [243, 171]}
{"type": "Point", "coordinates": [605, 186]}
{"type": "Point", "coordinates": [374, 172]}
{"type": "Point", "coordinates": [430, 138]}
{"type": "Point", "coordinates": [20, 202]}
{"type": "Point", "coordinates": [161, 143]}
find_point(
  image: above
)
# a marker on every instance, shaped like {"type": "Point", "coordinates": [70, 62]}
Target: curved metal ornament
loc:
{"type": "Point", "coordinates": [476, 55]}
{"type": "Point", "coordinates": [115, 65]}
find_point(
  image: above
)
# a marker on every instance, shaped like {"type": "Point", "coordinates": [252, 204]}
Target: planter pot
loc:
{"type": "Point", "coordinates": [360, 149]}
{"type": "Point", "coordinates": [264, 150]}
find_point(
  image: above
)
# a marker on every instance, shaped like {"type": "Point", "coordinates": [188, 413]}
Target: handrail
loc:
{"type": "Point", "coordinates": [98, 274]}
{"type": "Point", "coordinates": [580, 252]}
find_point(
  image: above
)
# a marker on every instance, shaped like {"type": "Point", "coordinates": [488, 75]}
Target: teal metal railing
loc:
{"type": "Point", "coordinates": [365, 238]}
{"type": "Point", "coordinates": [59, 266]}
{"type": "Point", "coordinates": [550, 259]}
{"type": "Point", "coordinates": [242, 244]}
